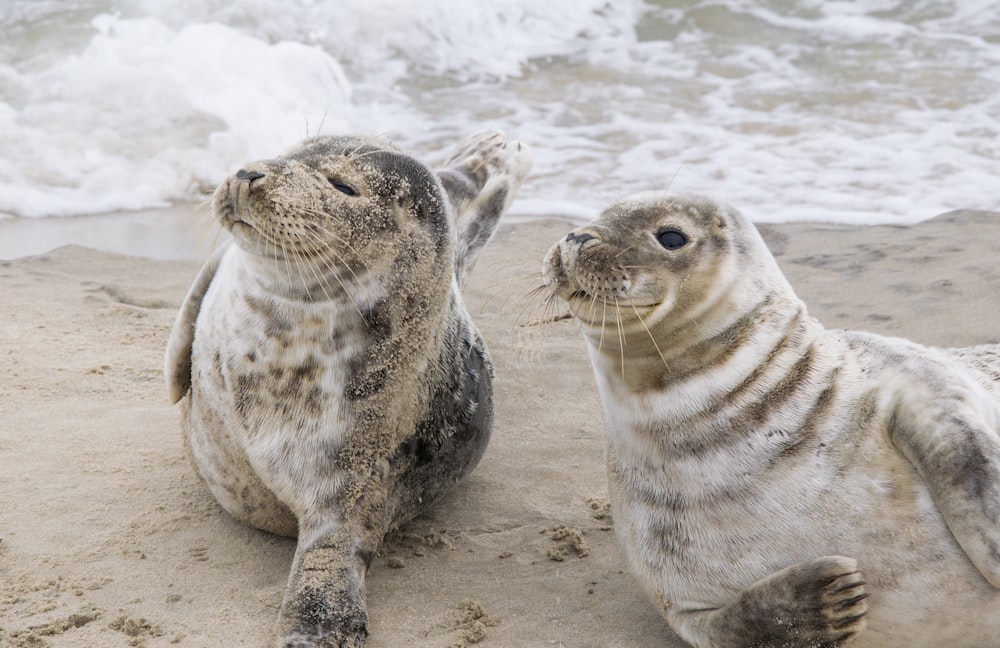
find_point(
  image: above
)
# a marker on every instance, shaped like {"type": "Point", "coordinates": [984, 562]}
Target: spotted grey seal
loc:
{"type": "Point", "coordinates": [337, 385]}
{"type": "Point", "coordinates": [774, 483]}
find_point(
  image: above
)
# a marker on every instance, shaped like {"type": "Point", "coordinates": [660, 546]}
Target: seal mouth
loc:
{"type": "Point", "coordinates": [240, 225]}
{"type": "Point", "coordinates": [259, 235]}
{"type": "Point", "coordinates": [242, 229]}
{"type": "Point", "coordinates": [579, 299]}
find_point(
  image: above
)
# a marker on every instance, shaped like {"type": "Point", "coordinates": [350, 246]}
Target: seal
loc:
{"type": "Point", "coordinates": [333, 385]}
{"type": "Point", "coordinates": [774, 483]}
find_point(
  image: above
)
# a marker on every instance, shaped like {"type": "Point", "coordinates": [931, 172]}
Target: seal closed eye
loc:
{"type": "Point", "coordinates": [332, 383]}
{"type": "Point", "coordinates": [774, 483]}
{"type": "Point", "coordinates": [343, 188]}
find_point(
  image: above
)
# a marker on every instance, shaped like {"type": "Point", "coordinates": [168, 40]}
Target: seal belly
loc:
{"type": "Point", "coordinates": [265, 415]}
{"type": "Point", "coordinates": [227, 473]}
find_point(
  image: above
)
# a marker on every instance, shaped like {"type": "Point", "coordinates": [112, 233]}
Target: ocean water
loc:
{"type": "Point", "coordinates": [861, 111]}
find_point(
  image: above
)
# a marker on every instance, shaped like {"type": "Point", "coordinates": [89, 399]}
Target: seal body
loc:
{"type": "Point", "coordinates": [775, 483]}
{"type": "Point", "coordinates": [333, 383]}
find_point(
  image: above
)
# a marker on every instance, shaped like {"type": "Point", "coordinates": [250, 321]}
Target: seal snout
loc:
{"type": "Point", "coordinates": [578, 268]}
{"type": "Point", "coordinates": [249, 176]}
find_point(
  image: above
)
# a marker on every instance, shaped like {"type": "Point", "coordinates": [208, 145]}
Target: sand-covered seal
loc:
{"type": "Point", "coordinates": [336, 384]}
{"type": "Point", "coordinates": [774, 483]}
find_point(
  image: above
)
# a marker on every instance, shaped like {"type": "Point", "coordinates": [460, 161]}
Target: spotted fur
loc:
{"type": "Point", "coordinates": [775, 483]}
{"type": "Point", "coordinates": [332, 383]}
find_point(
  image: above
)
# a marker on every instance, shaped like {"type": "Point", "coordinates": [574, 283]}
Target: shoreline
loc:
{"type": "Point", "coordinates": [187, 231]}
{"type": "Point", "coordinates": [181, 232]}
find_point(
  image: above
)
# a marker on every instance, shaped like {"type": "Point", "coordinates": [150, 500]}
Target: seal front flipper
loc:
{"type": "Point", "coordinates": [481, 178]}
{"type": "Point", "coordinates": [324, 602]}
{"type": "Point", "coordinates": [821, 603]}
{"type": "Point", "coordinates": [948, 437]}
{"type": "Point", "coordinates": [177, 359]}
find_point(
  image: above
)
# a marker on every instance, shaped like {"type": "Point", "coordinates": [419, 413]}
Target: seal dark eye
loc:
{"type": "Point", "coordinates": [671, 238]}
{"type": "Point", "coordinates": [344, 189]}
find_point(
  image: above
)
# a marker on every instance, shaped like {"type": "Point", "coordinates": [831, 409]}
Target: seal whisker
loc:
{"type": "Point", "coordinates": [332, 268]}
{"type": "Point", "coordinates": [592, 309]}
{"type": "Point", "coordinates": [322, 267]}
{"type": "Point", "coordinates": [621, 335]}
{"type": "Point", "coordinates": [316, 271]}
{"type": "Point", "coordinates": [540, 297]}
{"type": "Point", "coordinates": [265, 229]}
{"type": "Point", "coordinates": [362, 150]}
{"type": "Point", "coordinates": [511, 273]}
{"type": "Point", "coordinates": [494, 289]}
{"type": "Point", "coordinates": [652, 337]}
{"type": "Point", "coordinates": [670, 182]}
{"type": "Point", "coordinates": [213, 244]}
{"type": "Point", "coordinates": [521, 313]}
{"type": "Point", "coordinates": [604, 319]}
{"type": "Point", "coordinates": [344, 288]}
{"type": "Point", "coordinates": [206, 226]}
{"type": "Point", "coordinates": [291, 260]}
{"type": "Point", "coordinates": [550, 311]}
{"type": "Point", "coordinates": [623, 251]}
{"type": "Point", "coordinates": [538, 290]}
{"type": "Point", "coordinates": [316, 265]}
{"type": "Point", "coordinates": [322, 121]}
{"type": "Point", "coordinates": [327, 231]}
{"type": "Point", "coordinates": [320, 271]}
{"type": "Point", "coordinates": [536, 296]}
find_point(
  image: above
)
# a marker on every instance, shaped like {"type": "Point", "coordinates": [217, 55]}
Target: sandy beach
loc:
{"type": "Point", "coordinates": [107, 537]}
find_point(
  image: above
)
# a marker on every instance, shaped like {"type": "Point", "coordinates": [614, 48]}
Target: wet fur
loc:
{"type": "Point", "coordinates": [775, 483]}
{"type": "Point", "coordinates": [337, 386]}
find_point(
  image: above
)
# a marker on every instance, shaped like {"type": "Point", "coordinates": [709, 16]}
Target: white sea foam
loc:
{"type": "Point", "coordinates": [864, 111]}
{"type": "Point", "coordinates": [147, 114]}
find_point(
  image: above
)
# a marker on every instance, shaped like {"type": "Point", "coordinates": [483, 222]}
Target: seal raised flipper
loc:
{"type": "Point", "coordinates": [481, 178]}
{"type": "Point", "coordinates": [949, 431]}
{"type": "Point", "coordinates": [177, 359]}
{"type": "Point", "coordinates": [820, 604]}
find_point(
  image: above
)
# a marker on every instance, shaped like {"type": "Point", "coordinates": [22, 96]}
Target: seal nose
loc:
{"type": "Point", "coordinates": [580, 238]}
{"type": "Point", "coordinates": [249, 176]}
